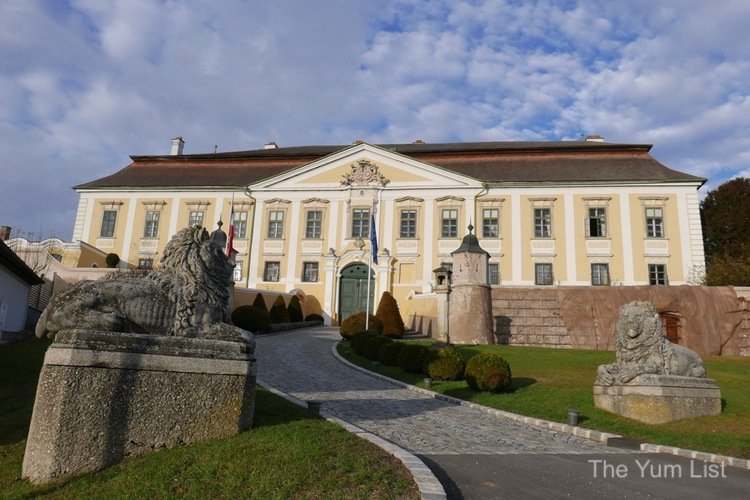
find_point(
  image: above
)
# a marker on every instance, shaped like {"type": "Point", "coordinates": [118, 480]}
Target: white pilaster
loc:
{"type": "Point", "coordinates": [570, 239]}
{"type": "Point", "coordinates": [173, 215]}
{"type": "Point", "coordinates": [429, 244]}
{"type": "Point", "coordinates": [627, 240]}
{"type": "Point", "coordinates": [253, 273]}
{"type": "Point", "coordinates": [515, 230]}
{"type": "Point", "coordinates": [130, 222]}
{"type": "Point", "coordinates": [292, 235]}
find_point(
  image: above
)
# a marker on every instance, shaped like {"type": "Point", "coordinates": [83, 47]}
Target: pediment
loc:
{"type": "Point", "coordinates": [363, 165]}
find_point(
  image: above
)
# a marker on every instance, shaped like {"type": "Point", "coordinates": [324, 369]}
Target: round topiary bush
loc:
{"type": "Point", "coordinates": [444, 364]}
{"type": "Point", "coordinates": [488, 372]}
{"type": "Point", "coordinates": [388, 353]}
{"type": "Point", "coordinates": [388, 313]}
{"type": "Point", "coordinates": [372, 346]}
{"type": "Point", "coordinates": [251, 318]}
{"type": "Point", "coordinates": [411, 358]}
{"type": "Point", "coordinates": [112, 259]}
{"type": "Point", "coordinates": [356, 323]}
{"type": "Point", "coordinates": [314, 317]}
{"type": "Point", "coordinates": [358, 341]}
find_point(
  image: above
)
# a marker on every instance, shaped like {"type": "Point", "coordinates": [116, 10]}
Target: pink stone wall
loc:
{"type": "Point", "coordinates": [714, 319]}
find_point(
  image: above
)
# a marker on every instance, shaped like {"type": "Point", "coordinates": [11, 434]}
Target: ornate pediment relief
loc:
{"type": "Point", "coordinates": [364, 173]}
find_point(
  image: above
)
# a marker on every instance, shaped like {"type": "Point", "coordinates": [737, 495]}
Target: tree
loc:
{"type": "Point", "coordinates": [725, 214]}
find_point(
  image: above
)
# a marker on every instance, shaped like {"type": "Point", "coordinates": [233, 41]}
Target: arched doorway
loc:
{"type": "Point", "coordinates": [353, 295]}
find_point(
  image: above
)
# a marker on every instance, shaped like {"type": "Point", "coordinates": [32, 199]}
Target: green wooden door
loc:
{"type": "Point", "coordinates": [353, 290]}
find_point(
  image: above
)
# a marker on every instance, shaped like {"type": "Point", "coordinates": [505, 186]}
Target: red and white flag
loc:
{"type": "Point", "coordinates": [230, 239]}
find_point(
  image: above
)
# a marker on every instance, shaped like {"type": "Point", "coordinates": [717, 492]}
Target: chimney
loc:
{"type": "Point", "coordinates": [419, 141]}
{"type": "Point", "coordinates": [270, 145]}
{"type": "Point", "coordinates": [177, 145]}
{"type": "Point", "coordinates": [4, 233]}
{"type": "Point", "coordinates": [594, 138]}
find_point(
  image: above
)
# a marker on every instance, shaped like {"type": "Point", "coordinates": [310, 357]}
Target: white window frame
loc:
{"type": "Point", "coordinates": [275, 224]}
{"type": "Point", "coordinates": [542, 222]}
{"type": "Point", "coordinates": [596, 223]}
{"type": "Point", "coordinates": [544, 274]}
{"type": "Point", "coordinates": [360, 227]}
{"type": "Point", "coordinates": [111, 226]}
{"type": "Point", "coordinates": [600, 274]}
{"type": "Point", "coordinates": [657, 274]}
{"type": "Point", "coordinates": [314, 224]}
{"type": "Point", "coordinates": [449, 222]}
{"type": "Point", "coordinates": [240, 224]}
{"type": "Point", "coordinates": [151, 224]}
{"type": "Point", "coordinates": [490, 229]}
{"type": "Point", "coordinates": [654, 222]}
{"type": "Point", "coordinates": [272, 271]}
{"type": "Point", "coordinates": [310, 272]}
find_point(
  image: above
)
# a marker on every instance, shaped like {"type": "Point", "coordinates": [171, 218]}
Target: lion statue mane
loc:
{"type": "Point", "coordinates": [186, 296]}
{"type": "Point", "coordinates": [642, 348]}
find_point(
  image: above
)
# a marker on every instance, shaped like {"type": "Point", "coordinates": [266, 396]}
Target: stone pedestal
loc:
{"type": "Point", "coordinates": [658, 399]}
{"type": "Point", "coordinates": [105, 396]}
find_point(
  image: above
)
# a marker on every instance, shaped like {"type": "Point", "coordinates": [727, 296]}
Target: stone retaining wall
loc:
{"type": "Point", "coordinates": [713, 320]}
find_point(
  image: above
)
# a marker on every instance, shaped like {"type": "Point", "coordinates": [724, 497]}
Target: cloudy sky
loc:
{"type": "Point", "coordinates": [86, 83]}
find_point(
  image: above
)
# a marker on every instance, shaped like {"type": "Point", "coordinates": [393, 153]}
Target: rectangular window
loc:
{"type": "Point", "coordinates": [449, 223]}
{"type": "Point", "coordinates": [271, 271]}
{"type": "Point", "coordinates": [542, 223]}
{"type": "Point", "coordinates": [490, 223]}
{"type": "Point", "coordinates": [275, 224]}
{"type": "Point", "coordinates": [109, 217]}
{"type": "Point", "coordinates": [361, 223]}
{"type": "Point", "coordinates": [196, 218]}
{"type": "Point", "coordinates": [600, 274]}
{"type": "Point", "coordinates": [493, 273]}
{"type": "Point", "coordinates": [310, 272]}
{"type": "Point", "coordinates": [151, 230]}
{"type": "Point", "coordinates": [237, 272]}
{"type": "Point", "coordinates": [145, 263]}
{"type": "Point", "coordinates": [654, 223]}
{"type": "Point", "coordinates": [657, 274]}
{"type": "Point", "coordinates": [408, 224]}
{"type": "Point", "coordinates": [314, 226]}
{"type": "Point", "coordinates": [240, 225]}
{"type": "Point", "coordinates": [596, 224]}
{"type": "Point", "coordinates": [543, 274]}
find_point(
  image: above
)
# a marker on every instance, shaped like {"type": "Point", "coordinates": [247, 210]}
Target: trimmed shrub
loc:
{"type": "Point", "coordinates": [388, 313]}
{"type": "Point", "coordinates": [314, 317]}
{"type": "Point", "coordinates": [358, 341]}
{"type": "Point", "coordinates": [411, 358]}
{"type": "Point", "coordinates": [372, 346]}
{"type": "Point", "coordinates": [295, 310]}
{"type": "Point", "coordinates": [488, 372]}
{"type": "Point", "coordinates": [260, 303]}
{"type": "Point", "coordinates": [444, 364]}
{"type": "Point", "coordinates": [251, 318]}
{"type": "Point", "coordinates": [278, 313]}
{"type": "Point", "coordinates": [388, 353]}
{"type": "Point", "coordinates": [112, 259]}
{"type": "Point", "coordinates": [356, 323]}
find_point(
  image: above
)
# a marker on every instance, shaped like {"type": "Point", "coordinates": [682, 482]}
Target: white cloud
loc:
{"type": "Point", "coordinates": [89, 82]}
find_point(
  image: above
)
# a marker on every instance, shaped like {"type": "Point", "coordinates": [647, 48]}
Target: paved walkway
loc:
{"type": "Point", "coordinates": [475, 454]}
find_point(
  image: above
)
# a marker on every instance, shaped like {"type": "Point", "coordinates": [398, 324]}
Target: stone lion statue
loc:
{"type": "Point", "coordinates": [186, 296]}
{"type": "Point", "coordinates": [642, 348]}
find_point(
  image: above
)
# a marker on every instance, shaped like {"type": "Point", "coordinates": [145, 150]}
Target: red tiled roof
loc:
{"type": "Point", "coordinates": [492, 162]}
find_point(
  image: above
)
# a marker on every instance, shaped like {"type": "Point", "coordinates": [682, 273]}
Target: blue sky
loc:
{"type": "Point", "coordinates": [86, 83]}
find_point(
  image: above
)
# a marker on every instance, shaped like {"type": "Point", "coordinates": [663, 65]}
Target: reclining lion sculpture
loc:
{"type": "Point", "coordinates": [641, 348]}
{"type": "Point", "coordinates": [186, 296]}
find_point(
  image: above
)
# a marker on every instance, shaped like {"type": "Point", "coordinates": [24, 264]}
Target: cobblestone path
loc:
{"type": "Point", "coordinates": [300, 363]}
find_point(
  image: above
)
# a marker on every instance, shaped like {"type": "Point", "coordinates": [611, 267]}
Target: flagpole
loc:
{"type": "Point", "coordinates": [373, 249]}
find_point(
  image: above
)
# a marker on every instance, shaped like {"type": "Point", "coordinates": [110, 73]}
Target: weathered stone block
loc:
{"type": "Point", "coordinates": [104, 396]}
{"type": "Point", "coordinates": [658, 399]}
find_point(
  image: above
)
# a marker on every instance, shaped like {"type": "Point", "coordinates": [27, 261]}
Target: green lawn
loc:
{"type": "Point", "coordinates": [548, 382]}
{"type": "Point", "coordinates": [284, 455]}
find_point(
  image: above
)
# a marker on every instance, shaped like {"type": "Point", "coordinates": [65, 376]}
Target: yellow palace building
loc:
{"type": "Point", "coordinates": [566, 213]}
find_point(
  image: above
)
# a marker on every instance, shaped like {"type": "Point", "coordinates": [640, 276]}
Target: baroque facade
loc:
{"type": "Point", "coordinates": [565, 213]}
